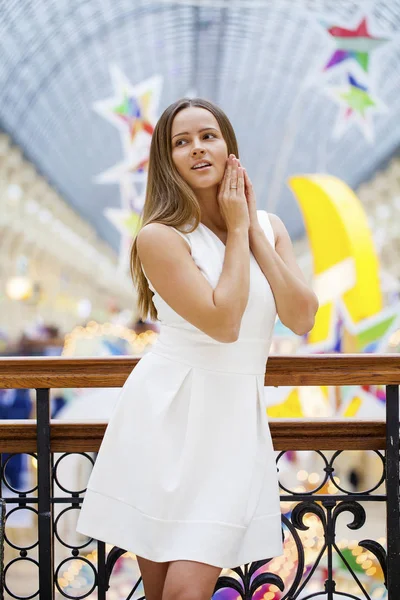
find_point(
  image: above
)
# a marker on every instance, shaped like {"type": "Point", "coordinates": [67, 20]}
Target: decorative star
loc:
{"type": "Point", "coordinates": [132, 109]}
{"type": "Point", "coordinates": [356, 44]}
{"type": "Point", "coordinates": [132, 112]}
{"type": "Point", "coordinates": [369, 335]}
{"type": "Point", "coordinates": [357, 98]}
{"type": "Point", "coordinates": [130, 196]}
{"type": "Point", "coordinates": [128, 223]}
{"type": "Point", "coordinates": [362, 401]}
{"type": "Point", "coordinates": [127, 219]}
{"type": "Point", "coordinates": [357, 105]}
{"type": "Point", "coordinates": [136, 166]}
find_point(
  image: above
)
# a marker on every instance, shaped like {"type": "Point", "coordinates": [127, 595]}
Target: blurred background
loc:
{"type": "Point", "coordinates": [312, 88]}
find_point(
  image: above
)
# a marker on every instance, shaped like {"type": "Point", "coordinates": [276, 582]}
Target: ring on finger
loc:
{"type": "Point", "coordinates": [234, 184]}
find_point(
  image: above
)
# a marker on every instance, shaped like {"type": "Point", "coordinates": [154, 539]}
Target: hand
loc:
{"type": "Point", "coordinates": [251, 202]}
{"type": "Point", "coordinates": [231, 196]}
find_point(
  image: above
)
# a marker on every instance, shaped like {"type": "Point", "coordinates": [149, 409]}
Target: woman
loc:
{"type": "Point", "coordinates": [186, 477]}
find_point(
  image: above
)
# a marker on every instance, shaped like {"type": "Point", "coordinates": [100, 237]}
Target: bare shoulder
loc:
{"type": "Point", "coordinates": [276, 221]}
{"type": "Point", "coordinates": [151, 231]}
{"type": "Point", "coordinates": [155, 236]}
{"type": "Point", "coordinates": [277, 225]}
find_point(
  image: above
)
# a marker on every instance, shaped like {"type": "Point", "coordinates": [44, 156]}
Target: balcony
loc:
{"type": "Point", "coordinates": [53, 558]}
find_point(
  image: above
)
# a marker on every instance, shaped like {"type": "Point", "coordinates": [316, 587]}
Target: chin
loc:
{"type": "Point", "coordinates": [205, 182]}
{"type": "Point", "coordinates": [205, 185]}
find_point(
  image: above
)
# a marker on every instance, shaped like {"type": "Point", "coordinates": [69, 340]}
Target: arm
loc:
{"type": "Point", "coordinates": [232, 292]}
{"type": "Point", "coordinates": [295, 301]}
{"type": "Point", "coordinates": [180, 283]}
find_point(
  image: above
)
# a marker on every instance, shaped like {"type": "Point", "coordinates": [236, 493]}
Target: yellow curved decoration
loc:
{"type": "Point", "coordinates": [345, 262]}
{"type": "Point", "coordinates": [353, 407]}
{"type": "Point", "coordinates": [291, 407]}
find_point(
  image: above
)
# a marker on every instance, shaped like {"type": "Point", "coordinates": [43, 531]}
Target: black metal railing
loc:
{"type": "Point", "coordinates": [49, 443]}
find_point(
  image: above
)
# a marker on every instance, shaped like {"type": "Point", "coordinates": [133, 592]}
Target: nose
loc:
{"type": "Point", "coordinates": [197, 152]}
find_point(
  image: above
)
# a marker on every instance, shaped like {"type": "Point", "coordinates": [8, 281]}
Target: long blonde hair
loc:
{"type": "Point", "coordinates": [169, 199]}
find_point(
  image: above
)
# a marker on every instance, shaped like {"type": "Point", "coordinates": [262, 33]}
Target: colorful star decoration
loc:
{"type": "Point", "coordinates": [357, 98]}
{"type": "Point", "coordinates": [357, 105]}
{"type": "Point", "coordinates": [127, 219]}
{"type": "Point", "coordinates": [356, 44]}
{"type": "Point", "coordinates": [370, 335]}
{"type": "Point", "coordinates": [135, 165]}
{"type": "Point", "coordinates": [132, 113]}
{"type": "Point", "coordinates": [133, 109]}
{"type": "Point", "coordinates": [128, 223]}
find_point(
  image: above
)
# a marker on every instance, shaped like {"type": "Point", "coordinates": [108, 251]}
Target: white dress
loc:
{"type": "Point", "coordinates": [186, 469]}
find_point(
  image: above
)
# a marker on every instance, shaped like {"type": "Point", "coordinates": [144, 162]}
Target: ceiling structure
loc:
{"type": "Point", "coordinates": [262, 61]}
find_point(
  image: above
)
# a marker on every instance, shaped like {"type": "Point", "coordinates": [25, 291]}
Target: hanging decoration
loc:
{"type": "Point", "coordinates": [357, 105]}
{"type": "Point", "coordinates": [353, 44]}
{"type": "Point", "coordinates": [133, 110]}
{"type": "Point", "coordinates": [349, 76]}
{"type": "Point", "coordinates": [132, 167]}
{"type": "Point", "coordinates": [127, 222]}
{"type": "Point", "coordinates": [126, 219]}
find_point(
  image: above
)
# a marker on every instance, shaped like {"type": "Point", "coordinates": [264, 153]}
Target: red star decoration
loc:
{"type": "Point", "coordinates": [360, 31]}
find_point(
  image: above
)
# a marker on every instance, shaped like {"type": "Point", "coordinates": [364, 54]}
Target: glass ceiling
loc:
{"type": "Point", "coordinates": [261, 61]}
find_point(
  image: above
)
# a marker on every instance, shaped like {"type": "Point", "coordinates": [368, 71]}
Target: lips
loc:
{"type": "Point", "coordinates": [199, 166]}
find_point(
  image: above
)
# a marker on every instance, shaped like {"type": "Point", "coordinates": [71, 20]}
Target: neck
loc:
{"type": "Point", "coordinates": [210, 213]}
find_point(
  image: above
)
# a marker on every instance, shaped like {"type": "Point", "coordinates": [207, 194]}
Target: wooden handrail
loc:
{"type": "Point", "coordinates": [324, 369]}
{"type": "Point", "coordinates": [287, 434]}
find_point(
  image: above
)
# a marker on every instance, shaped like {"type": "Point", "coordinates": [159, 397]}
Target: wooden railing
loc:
{"type": "Point", "coordinates": [322, 369]}
{"type": "Point", "coordinates": [44, 436]}
{"type": "Point", "coordinates": [304, 434]}
{"type": "Point", "coordinates": [287, 434]}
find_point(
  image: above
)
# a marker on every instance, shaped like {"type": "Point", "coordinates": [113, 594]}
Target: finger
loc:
{"type": "Point", "coordinates": [225, 188]}
{"type": "Point", "coordinates": [240, 182]}
{"type": "Point", "coordinates": [247, 190]}
{"type": "Point", "coordinates": [227, 180]}
{"type": "Point", "coordinates": [234, 177]}
{"type": "Point", "coordinates": [247, 179]}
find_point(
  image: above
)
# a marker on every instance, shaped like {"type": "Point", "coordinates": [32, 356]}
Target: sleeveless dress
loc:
{"type": "Point", "coordinates": [186, 469]}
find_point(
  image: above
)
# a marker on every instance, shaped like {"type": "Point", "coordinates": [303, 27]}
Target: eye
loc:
{"type": "Point", "coordinates": [178, 142]}
{"type": "Point", "coordinates": [212, 135]}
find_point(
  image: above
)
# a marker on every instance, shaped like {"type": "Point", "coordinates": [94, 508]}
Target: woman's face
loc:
{"type": "Point", "coordinates": [196, 139]}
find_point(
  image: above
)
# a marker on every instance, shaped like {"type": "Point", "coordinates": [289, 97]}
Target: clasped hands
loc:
{"type": "Point", "coordinates": [249, 193]}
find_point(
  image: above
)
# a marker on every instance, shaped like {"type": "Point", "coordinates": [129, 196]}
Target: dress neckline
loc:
{"type": "Point", "coordinates": [214, 234]}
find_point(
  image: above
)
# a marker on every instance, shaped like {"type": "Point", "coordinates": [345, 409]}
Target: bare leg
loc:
{"type": "Point", "coordinates": [190, 580]}
{"type": "Point", "coordinates": [153, 575]}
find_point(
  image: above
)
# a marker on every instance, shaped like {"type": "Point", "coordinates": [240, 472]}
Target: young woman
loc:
{"type": "Point", "coordinates": [185, 477]}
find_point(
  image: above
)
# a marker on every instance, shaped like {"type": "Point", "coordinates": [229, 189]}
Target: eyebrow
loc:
{"type": "Point", "coordinates": [200, 130]}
